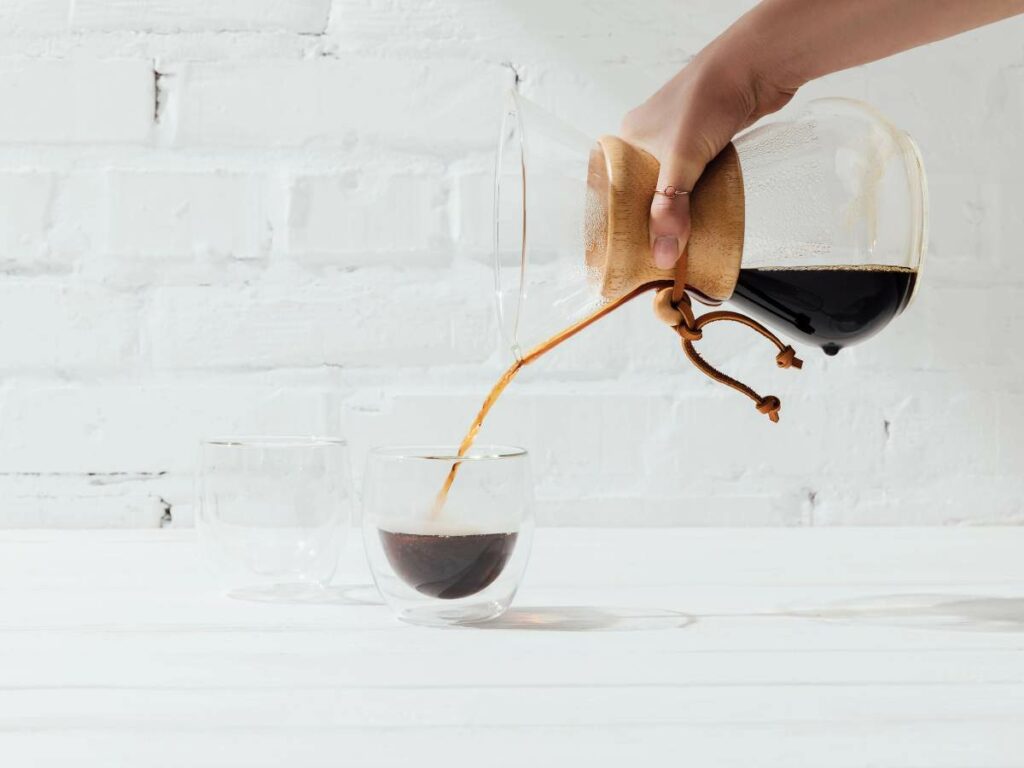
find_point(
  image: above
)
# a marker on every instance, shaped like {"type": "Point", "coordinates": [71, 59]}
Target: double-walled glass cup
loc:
{"type": "Point", "coordinates": [273, 513]}
{"type": "Point", "coordinates": [448, 557]}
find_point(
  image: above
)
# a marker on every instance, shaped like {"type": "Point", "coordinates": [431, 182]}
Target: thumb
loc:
{"type": "Point", "coordinates": [670, 213]}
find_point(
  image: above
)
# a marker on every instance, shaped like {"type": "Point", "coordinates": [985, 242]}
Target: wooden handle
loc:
{"type": "Point", "coordinates": [622, 179]}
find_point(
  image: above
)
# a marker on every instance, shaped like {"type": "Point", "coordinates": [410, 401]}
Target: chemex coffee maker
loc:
{"type": "Point", "coordinates": [815, 227]}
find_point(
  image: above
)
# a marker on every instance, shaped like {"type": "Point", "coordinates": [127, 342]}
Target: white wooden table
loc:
{"type": "Point", "coordinates": [750, 648]}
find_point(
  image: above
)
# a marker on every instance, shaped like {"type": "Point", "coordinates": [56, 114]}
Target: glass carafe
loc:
{"type": "Point", "coordinates": [815, 225]}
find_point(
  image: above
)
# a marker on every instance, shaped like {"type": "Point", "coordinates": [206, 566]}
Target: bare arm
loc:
{"type": "Point", "coordinates": [754, 68]}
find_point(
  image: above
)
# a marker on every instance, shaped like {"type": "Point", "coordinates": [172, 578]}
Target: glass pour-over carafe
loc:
{"type": "Point", "coordinates": [816, 226]}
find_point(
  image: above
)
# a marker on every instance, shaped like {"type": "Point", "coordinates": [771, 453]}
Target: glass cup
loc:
{"type": "Point", "coordinates": [448, 558]}
{"type": "Point", "coordinates": [273, 513]}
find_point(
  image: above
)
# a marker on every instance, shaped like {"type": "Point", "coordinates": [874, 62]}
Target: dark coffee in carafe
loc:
{"type": "Point", "coordinates": [830, 307]}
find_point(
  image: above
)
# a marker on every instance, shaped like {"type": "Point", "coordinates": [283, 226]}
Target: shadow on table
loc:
{"type": "Point", "coordinates": [305, 594]}
{"type": "Point", "coordinates": [930, 611]}
{"type": "Point", "coordinates": [583, 618]}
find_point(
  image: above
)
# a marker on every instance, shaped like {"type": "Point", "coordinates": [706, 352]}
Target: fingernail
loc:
{"type": "Point", "coordinates": [666, 251]}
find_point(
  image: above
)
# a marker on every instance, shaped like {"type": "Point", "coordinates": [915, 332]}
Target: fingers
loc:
{"type": "Point", "coordinates": [670, 218]}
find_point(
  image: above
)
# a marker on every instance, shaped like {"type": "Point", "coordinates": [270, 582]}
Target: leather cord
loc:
{"type": "Point", "coordinates": [672, 306]}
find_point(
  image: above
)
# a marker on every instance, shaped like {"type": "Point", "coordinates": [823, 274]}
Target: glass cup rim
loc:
{"type": "Point", "coordinates": [447, 453]}
{"type": "Point", "coordinates": [272, 441]}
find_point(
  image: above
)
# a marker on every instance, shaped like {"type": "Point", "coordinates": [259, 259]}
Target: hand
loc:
{"type": "Point", "coordinates": [754, 68]}
{"type": "Point", "coordinates": [691, 119]}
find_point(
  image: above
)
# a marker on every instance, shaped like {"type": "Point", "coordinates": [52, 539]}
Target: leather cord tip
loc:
{"type": "Point", "coordinates": [770, 405]}
{"type": "Point", "coordinates": [787, 358]}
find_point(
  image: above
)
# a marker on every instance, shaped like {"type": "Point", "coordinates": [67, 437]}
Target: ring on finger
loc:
{"type": "Point", "coordinates": [672, 191]}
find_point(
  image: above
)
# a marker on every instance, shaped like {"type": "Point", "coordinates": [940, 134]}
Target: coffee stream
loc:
{"type": "Point", "coordinates": [449, 566]}
{"type": "Point", "coordinates": [830, 307]}
{"type": "Point", "coordinates": [474, 429]}
{"type": "Point", "coordinates": [506, 378]}
{"type": "Point", "coordinates": [827, 306]}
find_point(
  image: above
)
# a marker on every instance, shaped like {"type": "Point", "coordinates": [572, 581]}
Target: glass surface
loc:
{"type": "Point", "coordinates": [453, 561]}
{"type": "Point", "coordinates": [541, 226]}
{"type": "Point", "coordinates": [273, 513]}
{"type": "Point", "coordinates": [836, 222]}
{"type": "Point", "coordinates": [836, 185]}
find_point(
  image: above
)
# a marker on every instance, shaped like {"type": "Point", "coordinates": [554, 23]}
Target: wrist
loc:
{"type": "Point", "coordinates": [750, 59]}
{"type": "Point", "coordinates": [771, 40]}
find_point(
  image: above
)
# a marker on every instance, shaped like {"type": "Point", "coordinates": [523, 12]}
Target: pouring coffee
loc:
{"type": "Point", "coordinates": [787, 213]}
{"type": "Point", "coordinates": [815, 227]}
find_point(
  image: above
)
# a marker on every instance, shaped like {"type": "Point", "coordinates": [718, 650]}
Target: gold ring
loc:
{"type": "Point", "coordinates": [671, 191]}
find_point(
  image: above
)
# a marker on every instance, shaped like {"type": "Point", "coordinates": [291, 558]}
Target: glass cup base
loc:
{"type": "Point", "coordinates": [443, 616]}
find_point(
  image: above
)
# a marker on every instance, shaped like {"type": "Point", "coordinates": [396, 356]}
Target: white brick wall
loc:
{"type": "Point", "coordinates": [26, 200]}
{"type": "Point", "coordinates": [342, 100]}
{"type": "Point", "coordinates": [161, 217]}
{"type": "Point", "coordinates": [91, 101]}
{"type": "Point", "coordinates": [255, 216]}
{"type": "Point", "coordinates": [377, 215]}
{"type": "Point", "coordinates": [362, 320]}
{"type": "Point", "coordinates": [301, 16]}
{"type": "Point", "coordinates": [33, 16]}
{"type": "Point", "coordinates": [65, 329]}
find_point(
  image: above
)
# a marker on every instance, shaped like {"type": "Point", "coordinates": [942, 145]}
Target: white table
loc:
{"type": "Point", "coordinates": [685, 647]}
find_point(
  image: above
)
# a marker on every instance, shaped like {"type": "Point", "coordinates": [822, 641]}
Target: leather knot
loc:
{"type": "Point", "coordinates": [770, 405]}
{"type": "Point", "coordinates": [677, 314]}
{"type": "Point", "coordinates": [686, 333]}
{"type": "Point", "coordinates": [665, 309]}
{"type": "Point", "coordinates": [787, 357]}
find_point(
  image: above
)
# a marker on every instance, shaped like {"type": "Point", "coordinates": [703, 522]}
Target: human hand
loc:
{"type": "Point", "coordinates": [754, 68]}
{"type": "Point", "coordinates": [691, 119]}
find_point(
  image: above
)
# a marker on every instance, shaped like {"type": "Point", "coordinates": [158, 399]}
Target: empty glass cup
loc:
{"type": "Point", "coordinates": [452, 556]}
{"type": "Point", "coordinates": [273, 513]}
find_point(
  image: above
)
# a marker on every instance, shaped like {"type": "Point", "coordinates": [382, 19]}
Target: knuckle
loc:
{"type": "Point", "coordinates": [665, 226]}
{"type": "Point", "coordinates": [631, 123]}
{"type": "Point", "coordinates": [669, 221]}
{"type": "Point", "coordinates": [663, 207]}
{"type": "Point", "coordinates": [669, 208]}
